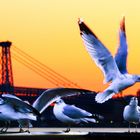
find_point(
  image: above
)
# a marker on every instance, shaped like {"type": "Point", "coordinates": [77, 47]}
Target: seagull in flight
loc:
{"type": "Point", "coordinates": [114, 69]}
{"type": "Point", "coordinates": [70, 114]}
{"type": "Point", "coordinates": [13, 108]}
{"type": "Point", "coordinates": [131, 113]}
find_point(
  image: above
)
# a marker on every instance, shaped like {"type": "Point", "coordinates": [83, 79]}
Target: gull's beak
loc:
{"type": "Point", "coordinates": [52, 104]}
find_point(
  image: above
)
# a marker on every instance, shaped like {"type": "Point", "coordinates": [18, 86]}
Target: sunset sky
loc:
{"type": "Point", "coordinates": [48, 31]}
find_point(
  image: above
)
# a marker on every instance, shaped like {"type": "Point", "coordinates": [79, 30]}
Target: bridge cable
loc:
{"type": "Point", "coordinates": [44, 67]}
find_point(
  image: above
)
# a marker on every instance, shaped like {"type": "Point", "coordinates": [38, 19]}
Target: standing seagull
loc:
{"type": "Point", "coordinates": [13, 108]}
{"type": "Point", "coordinates": [70, 114]}
{"type": "Point", "coordinates": [63, 112]}
{"type": "Point", "coordinates": [131, 113]}
{"type": "Point", "coordinates": [51, 95]}
{"type": "Point", "coordinates": [114, 71]}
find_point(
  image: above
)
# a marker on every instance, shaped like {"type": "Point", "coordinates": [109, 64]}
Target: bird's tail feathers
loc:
{"type": "Point", "coordinates": [87, 120]}
{"type": "Point", "coordinates": [104, 96]}
{"type": "Point", "coordinates": [97, 116]}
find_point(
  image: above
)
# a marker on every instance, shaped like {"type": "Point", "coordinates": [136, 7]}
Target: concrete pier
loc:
{"type": "Point", "coordinates": [75, 133]}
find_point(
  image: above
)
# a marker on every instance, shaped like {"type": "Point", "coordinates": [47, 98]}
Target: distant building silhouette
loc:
{"type": "Point", "coordinates": [138, 93]}
{"type": "Point", "coordinates": [6, 73]}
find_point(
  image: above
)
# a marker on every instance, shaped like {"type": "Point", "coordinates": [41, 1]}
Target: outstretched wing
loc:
{"type": "Point", "coordinates": [121, 55]}
{"type": "Point", "coordinates": [99, 53]}
{"type": "Point", "coordinates": [19, 105]}
{"type": "Point", "coordinates": [51, 95]}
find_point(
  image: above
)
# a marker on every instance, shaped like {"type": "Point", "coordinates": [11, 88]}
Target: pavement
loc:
{"type": "Point", "coordinates": [75, 133]}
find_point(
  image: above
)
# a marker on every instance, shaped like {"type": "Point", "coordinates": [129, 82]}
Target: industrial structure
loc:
{"type": "Point", "coordinates": [6, 73]}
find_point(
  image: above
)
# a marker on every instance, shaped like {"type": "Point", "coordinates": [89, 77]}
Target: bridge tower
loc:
{"type": "Point", "coordinates": [6, 75]}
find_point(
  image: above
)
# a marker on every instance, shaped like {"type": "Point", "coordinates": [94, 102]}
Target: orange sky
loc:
{"type": "Point", "coordinates": [48, 31]}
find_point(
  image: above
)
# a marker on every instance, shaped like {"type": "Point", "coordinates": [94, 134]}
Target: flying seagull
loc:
{"type": "Point", "coordinates": [70, 114]}
{"type": "Point", "coordinates": [13, 108]}
{"type": "Point", "coordinates": [131, 112]}
{"type": "Point", "coordinates": [113, 69]}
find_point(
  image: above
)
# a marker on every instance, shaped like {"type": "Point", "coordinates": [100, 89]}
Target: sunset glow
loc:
{"type": "Point", "coordinates": [48, 31]}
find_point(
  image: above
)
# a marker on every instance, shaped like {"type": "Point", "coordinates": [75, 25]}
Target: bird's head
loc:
{"type": "Point", "coordinates": [134, 101]}
{"type": "Point", "coordinates": [59, 101]}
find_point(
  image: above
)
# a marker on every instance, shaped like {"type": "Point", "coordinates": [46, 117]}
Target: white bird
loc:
{"type": "Point", "coordinates": [70, 114]}
{"type": "Point", "coordinates": [25, 123]}
{"type": "Point", "coordinates": [131, 113]}
{"type": "Point", "coordinates": [13, 108]}
{"type": "Point", "coordinates": [51, 95]}
{"type": "Point", "coordinates": [114, 71]}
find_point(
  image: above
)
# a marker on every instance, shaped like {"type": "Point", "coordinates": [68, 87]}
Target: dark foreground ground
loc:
{"type": "Point", "coordinates": [74, 134]}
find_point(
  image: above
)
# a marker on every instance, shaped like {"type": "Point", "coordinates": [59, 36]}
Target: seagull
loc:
{"type": "Point", "coordinates": [22, 111]}
{"type": "Point", "coordinates": [25, 123]}
{"type": "Point", "coordinates": [13, 108]}
{"type": "Point", "coordinates": [70, 114]}
{"type": "Point", "coordinates": [131, 113]}
{"type": "Point", "coordinates": [51, 95]}
{"type": "Point", "coordinates": [114, 69]}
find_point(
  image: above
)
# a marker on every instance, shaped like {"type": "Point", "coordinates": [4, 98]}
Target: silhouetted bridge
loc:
{"type": "Point", "coordinates": [6, 73]}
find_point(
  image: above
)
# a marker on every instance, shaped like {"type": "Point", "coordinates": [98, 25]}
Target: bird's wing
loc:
{"type": "Point", "coordinates": [11, 96]}
{"type": "Point", "coordinates": [99, 53]}
{"type": "Point", "coordinates": [19, 105]}
{"type": "Point", "coordinates": [138, 108]}
{"type": "Point", "coordinates": [75, 112]}
{"type": "Point", "coordinates": [51, 95]}
{"type": "Point", "coordinates": [121, 55]}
